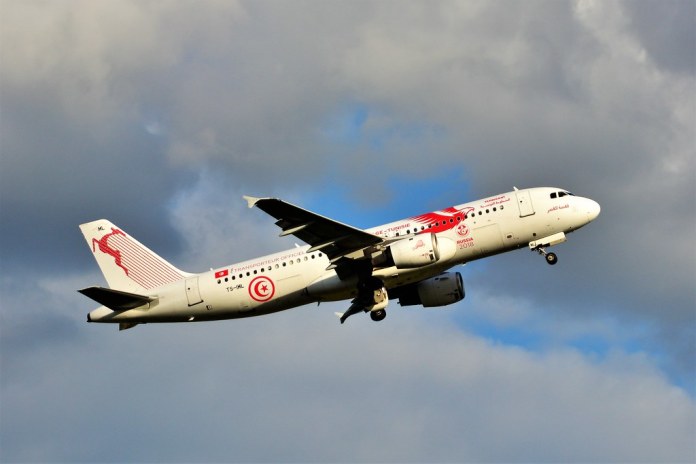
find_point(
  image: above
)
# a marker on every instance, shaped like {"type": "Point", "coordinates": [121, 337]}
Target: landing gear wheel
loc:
{"type": "Point", "coordinates": [551, 258]}
{"type": "Point", "coordinates": [378, 315]}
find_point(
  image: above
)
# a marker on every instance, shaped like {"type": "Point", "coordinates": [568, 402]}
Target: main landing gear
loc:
{"type": "Point", "coordinates": [551, 258]}
{"type": "Point", "coordinates": [372, 297]}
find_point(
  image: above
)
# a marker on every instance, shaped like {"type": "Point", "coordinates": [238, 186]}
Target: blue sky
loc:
{"type": "Point", "coordinates": [160, 116]}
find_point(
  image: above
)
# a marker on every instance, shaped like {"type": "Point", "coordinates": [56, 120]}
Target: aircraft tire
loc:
{"type": "Point", "coordinates": [551, 258]}
{"type": "Point", "coordinates": [378, 315]}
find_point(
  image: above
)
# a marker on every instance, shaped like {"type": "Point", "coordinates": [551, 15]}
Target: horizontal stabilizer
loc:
{"type": "Point", "coordinates": [115, 299]}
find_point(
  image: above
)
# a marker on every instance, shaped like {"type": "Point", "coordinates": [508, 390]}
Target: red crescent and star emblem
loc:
{"type": "Point", "coordinates": [261, 289]}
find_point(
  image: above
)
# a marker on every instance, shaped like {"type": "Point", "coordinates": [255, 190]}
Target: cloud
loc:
{"type": "Point", "coordinates": [160, 115]}
{"type": "Point", "coordinates": [409, 390]}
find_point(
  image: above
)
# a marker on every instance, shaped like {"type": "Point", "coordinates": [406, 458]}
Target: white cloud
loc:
{"type": "Point", "coordinates": [298, 385]}
{"type": "Point", "coordinates": [159, 113]}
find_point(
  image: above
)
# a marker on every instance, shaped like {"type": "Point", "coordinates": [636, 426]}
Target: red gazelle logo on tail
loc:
{"type": "Point", "coordinates": [104, 247]}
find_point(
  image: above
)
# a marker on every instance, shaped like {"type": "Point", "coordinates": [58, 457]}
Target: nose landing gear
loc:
{"type": "Point", "coordinates": [551, 258]}
{"type": "Point", "coordinates": [540, 246]}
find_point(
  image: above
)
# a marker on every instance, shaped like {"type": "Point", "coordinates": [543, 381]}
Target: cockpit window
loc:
{"type": "Point", "coordinates": [561, 194]}
{"type": "Point", "coordinates": [553, 195]}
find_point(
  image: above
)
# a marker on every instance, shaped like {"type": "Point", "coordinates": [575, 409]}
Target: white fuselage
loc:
{"type": "Point", "coordinates": [295, 277]}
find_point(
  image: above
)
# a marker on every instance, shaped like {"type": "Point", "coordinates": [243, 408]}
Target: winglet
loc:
{"type": "Point", "coordinates": [251, 201]}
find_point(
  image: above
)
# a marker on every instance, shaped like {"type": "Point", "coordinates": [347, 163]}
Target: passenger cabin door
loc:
{"type": "Point", "coordinates": [524, 203]}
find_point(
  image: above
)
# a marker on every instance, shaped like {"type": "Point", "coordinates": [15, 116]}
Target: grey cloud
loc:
{"type": "Point", "coordinates": [163, 124]}
{"type": "Point", "coordinates": [666, 30]}
{"type": "Point", "coordinates": [268, 383]}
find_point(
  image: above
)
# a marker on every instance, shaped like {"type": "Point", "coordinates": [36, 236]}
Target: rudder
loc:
{"type": "Point", "coordinates": [127, 264]}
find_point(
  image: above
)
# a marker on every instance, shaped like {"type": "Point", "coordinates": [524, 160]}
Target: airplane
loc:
{"type": "Point", "coordinates": [407, 260]}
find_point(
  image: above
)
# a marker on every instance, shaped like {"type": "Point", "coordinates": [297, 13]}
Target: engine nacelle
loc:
{"type": "Point", "coordinates": [441, 290]}
{"type": "Point", "coordinates": [412, 252]}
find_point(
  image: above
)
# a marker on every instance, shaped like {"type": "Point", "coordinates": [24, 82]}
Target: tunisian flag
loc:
{"type": "Point", "coordinates": [223, 273]}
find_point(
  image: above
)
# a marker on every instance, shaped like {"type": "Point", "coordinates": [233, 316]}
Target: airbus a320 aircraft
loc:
{"type": "Point", "coordinates": [406, 260]}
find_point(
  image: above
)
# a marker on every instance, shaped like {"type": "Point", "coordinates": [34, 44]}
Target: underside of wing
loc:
{"type": "Point", "coordinates": [115, 299]}
{"type": "Point", "coordinates": [335, 239]}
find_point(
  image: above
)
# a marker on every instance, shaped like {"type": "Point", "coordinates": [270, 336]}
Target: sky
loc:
{"type": "Point", "coordinates": [160, 115]}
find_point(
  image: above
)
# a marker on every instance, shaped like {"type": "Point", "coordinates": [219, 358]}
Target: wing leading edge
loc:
{"type": "Point", "coordinates": [335, 239]}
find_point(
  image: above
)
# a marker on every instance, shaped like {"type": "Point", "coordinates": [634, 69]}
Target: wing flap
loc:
{"type": "Point", "coordinates": [116, 299]}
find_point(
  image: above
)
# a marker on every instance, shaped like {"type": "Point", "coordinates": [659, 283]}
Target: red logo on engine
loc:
{"type": "Point", "coordinates": [261, 289]}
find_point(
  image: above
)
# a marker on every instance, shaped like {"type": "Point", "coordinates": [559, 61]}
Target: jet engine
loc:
{"type": "Point", "coordinates": [410, 253]}
{"type": "Point", "coordinates": [441, 290]}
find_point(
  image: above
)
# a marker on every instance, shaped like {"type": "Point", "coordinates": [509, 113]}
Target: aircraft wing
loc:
{"type": "Point", "coordinates": [335, 239]}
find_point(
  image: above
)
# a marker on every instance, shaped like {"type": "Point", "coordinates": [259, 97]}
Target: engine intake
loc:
{"type": "Point", "coordinates": [441, 290]}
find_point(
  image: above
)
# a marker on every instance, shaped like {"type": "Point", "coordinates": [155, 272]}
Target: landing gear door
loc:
{"type": "Point", "coordinates": [193, 294]}
{"type": "Point", "coordinates": [524, 202]}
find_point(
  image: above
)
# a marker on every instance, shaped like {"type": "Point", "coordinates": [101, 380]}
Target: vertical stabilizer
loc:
{"type": "Point", "coordinates": [127, 264]}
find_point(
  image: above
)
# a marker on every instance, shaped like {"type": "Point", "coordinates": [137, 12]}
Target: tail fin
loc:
{"type": "Point", "coordinates": [127, 264]}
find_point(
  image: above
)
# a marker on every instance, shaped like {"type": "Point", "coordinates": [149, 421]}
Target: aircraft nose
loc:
{"type": "Point", "coordinates": [593, 210]}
